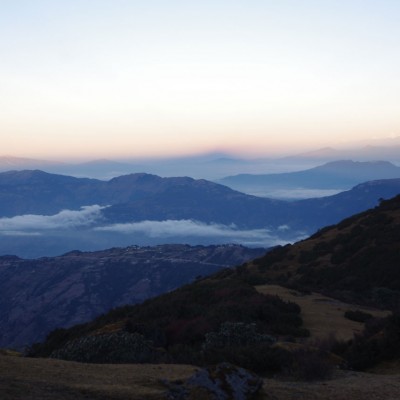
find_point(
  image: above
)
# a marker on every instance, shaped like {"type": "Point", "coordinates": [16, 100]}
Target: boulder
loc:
{"type": "Point", "coordinates": [223, 381]}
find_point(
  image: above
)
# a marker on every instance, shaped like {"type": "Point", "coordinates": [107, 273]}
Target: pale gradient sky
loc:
{"type": "Point", "coordinates": [108, 78]}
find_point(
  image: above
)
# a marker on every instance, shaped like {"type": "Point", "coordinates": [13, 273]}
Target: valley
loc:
{"type": "Point", "coordinates": [44, 214]}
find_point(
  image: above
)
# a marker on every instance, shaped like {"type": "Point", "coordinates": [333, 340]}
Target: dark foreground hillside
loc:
{"type": "Point", "coordinates": [46, 379]}
{"type": "Point", "coordinates": [212, 320]}
{"type": "Point", "coordinates": [356, 260]}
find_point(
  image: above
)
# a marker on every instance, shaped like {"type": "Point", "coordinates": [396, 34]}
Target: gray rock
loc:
{"type": "Point", "coordinates": [224, 381]}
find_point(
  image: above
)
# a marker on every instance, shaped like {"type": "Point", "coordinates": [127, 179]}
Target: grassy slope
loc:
{"type": "Point", "coordinates": [323, 316]}
{"type": "Point", "coordinates": [42, 379]}
{"type": "Point", "coordinates": [356, 260]}
{"type": "Point", "coordinates": [45, 379]}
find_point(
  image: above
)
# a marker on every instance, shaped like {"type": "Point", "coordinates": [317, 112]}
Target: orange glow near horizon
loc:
{"type": "Point", "coordinates": [88, 81]}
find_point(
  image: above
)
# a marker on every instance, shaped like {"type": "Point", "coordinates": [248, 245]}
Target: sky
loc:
{"type": "Point", "coordinates": [106, 79]}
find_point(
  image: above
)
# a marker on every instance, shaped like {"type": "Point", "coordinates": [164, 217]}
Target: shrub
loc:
{"type": "Point", "coordinates": [119, 347]}
{"type": "Point", "coordinates": [258, 357]}
{"type": "Point", "coordinates": [309, 365]}
{"type": "Point", "coordinates": [380, 341]}
{"type": "Point", "coordinates": [358, 315]}
{"type": "Point", "coordinates": [235, 334]}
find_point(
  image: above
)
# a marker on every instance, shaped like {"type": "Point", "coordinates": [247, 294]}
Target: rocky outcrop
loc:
{"type": "Point", "coordinates": [224, 381]}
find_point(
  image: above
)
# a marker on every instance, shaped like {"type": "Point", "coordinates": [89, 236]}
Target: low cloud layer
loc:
{"type": "Point", "coordinates": [190, 228]}
{"type": "Point", "coordinates": [32, 224]}
{"type": "Point", "coordinates": [88, 219]}
{"type": "Point", "coordinates": [292, 194]}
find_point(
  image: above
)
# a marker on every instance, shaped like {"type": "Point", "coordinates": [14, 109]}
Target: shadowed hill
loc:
{"type": "Point", "coordinates": [139, 197]}
{"type": "Point", "coordinates": [42, 294]}
{"type": "Point", "coordinates": [356, 260]}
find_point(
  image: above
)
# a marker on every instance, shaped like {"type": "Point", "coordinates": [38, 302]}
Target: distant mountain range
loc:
{"type": "Point", "coordinates": [211, 166]}
{"type": "Point", "coordinates": [333, 175]}
{"type": "Point", "coordinates": [380, 150]}
{"type": "Point", "coordinates": [47, 214]}
{"type": "Point", "coordinates": [43, 294]}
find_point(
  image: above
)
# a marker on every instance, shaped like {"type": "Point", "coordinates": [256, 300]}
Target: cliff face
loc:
{"type": "Point", "coordinates": [43, 294]}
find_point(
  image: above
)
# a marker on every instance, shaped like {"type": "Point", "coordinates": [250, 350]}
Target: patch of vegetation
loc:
{"type": "Point", "coordinates": [205, 322]}
{"type": "Point", "coordinates": [380, 341]}
{"type": "Point", "coordinates": [237, 334]}
{"type": "Point", "coordinates": [356, 260]}
{"type": "Point", "coordinates": [189, 313]}
{"type": "Point", "coordinates": [120, 347]}
{"type": "Point", "coordinates": [358, 315]}
{"type": "Point", "coordinates": [275, 255]}
{"type": "Point", "coordinates": [308, 365]}
{"type": "Point", "coordinates": [261, 358]}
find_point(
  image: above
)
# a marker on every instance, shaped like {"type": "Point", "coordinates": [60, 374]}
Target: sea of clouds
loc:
{"type": "Point", "coordinates": [85, 229]}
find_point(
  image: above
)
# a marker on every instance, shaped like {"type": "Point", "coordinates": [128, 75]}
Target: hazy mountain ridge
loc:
{"type": "Point", "coordinates": [146, 209]}
{"type": "Point", "coordinates": [47, 293]}
{"type": "Point", "coordinates": [215, 203]}
{"type": "Point", "coordinates": [333, 175]}
{"type": "Point", "coordinates": [212, 166]}
{"type": "Point", "coordinates": [29, 191]}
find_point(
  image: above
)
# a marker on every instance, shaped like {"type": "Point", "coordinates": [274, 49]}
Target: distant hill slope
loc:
{"type": "Point", "coordinates": [333, 175]}
{"type": "Point", "coordinates": [43, 294]}
{"type": "Point", "coordinates": [38, 192]}
{"type": "Point", "coordinates": [138, 197]}
{"type": "Point", "coordinates": [208, 203]}
{"type": "Point", "coordinates": [194, 211]}
{"type": "Point", "coordinates": [355, 260]}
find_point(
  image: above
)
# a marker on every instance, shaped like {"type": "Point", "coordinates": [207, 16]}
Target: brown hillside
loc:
{"type": "Point", "coordinates": [323, 316]}
{"type": "Point", "coordinates": [356, 260]}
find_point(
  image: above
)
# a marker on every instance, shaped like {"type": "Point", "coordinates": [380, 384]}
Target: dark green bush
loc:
{"type": "Point", "coordinates": [358, 315]}
{"type": "Point", "coordinates": [259, 357]}
{"type": "Point", "coordinates": [308, 365]}
{"type": "Point", "coordinates": [380, 341]}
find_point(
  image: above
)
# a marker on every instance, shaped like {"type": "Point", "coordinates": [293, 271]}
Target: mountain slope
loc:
{"type": "Point", "coordinates": [43, 294]}
{"type": "Point", "coordinates": [223, 317]}
{"type": "Point", "coordinates": [333, 175]}
{"type": "Point", "coordinates": [147, 209]}
{"type": "Point", "coordinates": [38, 192]}
{"type": "Point", "coordinates": [212, 204]}
{"type": "Point", "coordinates": [356, 260]}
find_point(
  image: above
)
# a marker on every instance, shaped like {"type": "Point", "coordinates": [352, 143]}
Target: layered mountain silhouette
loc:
{"type": "Point", "coordinates": [333, 175]}
{"type": "Point", "coordinates": [196, 211]}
